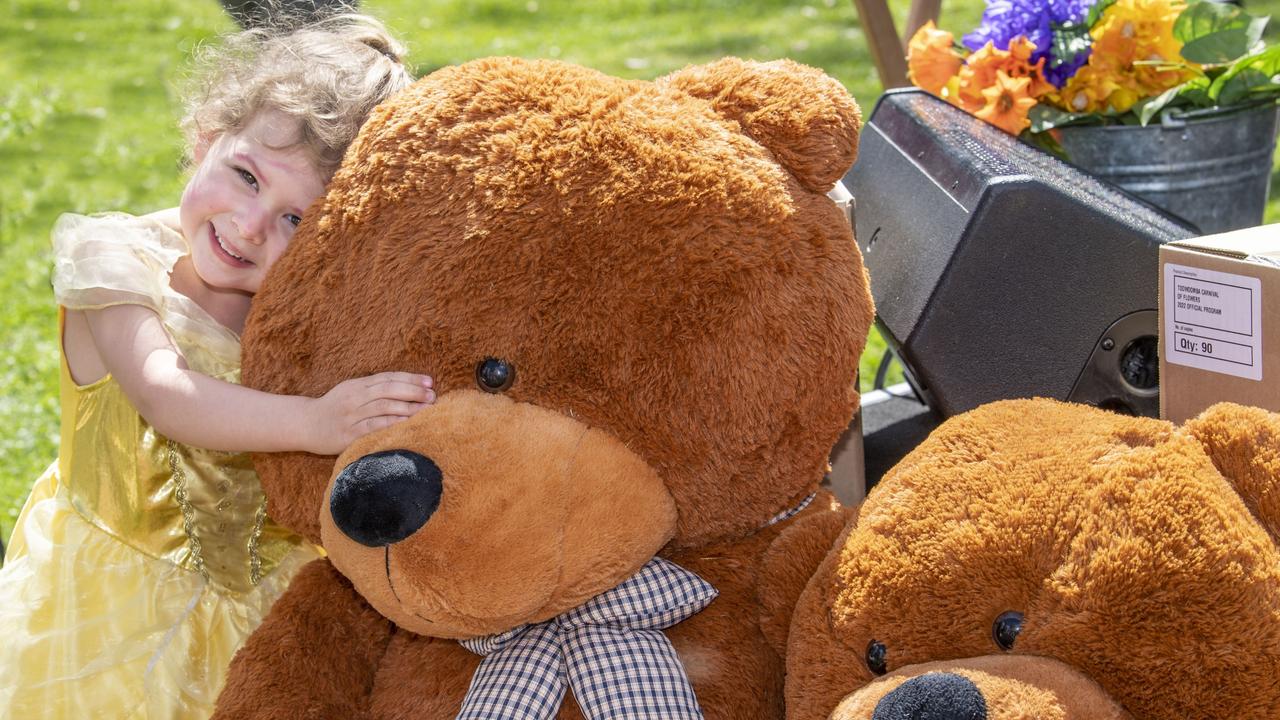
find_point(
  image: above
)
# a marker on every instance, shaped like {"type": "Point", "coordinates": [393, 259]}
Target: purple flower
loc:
{"type": "Point", "coordinates": [1004, 20]}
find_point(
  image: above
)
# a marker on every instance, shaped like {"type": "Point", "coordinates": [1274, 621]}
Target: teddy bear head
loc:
{"type": "Point", "coordinates": [641, 311]}
{"type": "Point", "coordinates": [1034, 559]}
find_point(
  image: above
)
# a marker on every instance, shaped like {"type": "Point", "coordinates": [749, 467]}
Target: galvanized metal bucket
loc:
{"type": "Point", "coordinates": [1211, 167]}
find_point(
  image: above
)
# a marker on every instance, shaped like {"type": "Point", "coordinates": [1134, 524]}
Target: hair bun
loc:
{"type": "Point", "coordinates": [385, 45]}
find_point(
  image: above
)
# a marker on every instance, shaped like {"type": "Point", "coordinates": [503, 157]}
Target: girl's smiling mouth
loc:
{"type": "Point", "coordinates": [225, 251]}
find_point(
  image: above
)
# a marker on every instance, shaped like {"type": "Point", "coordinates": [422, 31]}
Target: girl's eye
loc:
{"type": "Point", "coordinates": [294, 220]}
{"type": "Point", "coordinates": [247, 177]}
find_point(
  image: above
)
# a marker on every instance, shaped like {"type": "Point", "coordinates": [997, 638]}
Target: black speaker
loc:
{"type": "Point", "coordinates": [998, 270]}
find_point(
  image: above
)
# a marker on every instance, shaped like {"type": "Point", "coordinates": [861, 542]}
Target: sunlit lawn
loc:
{"type": "Point", "coordinates": [87, 122]}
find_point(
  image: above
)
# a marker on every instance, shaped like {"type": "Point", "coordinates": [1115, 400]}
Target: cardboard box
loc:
{"type": "Point", "coordinates": [1220, 322]}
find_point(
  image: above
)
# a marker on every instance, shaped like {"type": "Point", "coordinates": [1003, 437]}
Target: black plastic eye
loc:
{"type": "Point", "coordinates": [877, 657]}
{"type": "Point", "coordinates": [1006, 629]}
{"type": "Point", "coordinates": [494, 375]}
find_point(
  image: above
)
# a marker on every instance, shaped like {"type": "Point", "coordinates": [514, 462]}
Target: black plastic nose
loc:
{"type": "Point", "coordinates": [933, 696]}
{"type": "Point", "coordinates": [384, 497]}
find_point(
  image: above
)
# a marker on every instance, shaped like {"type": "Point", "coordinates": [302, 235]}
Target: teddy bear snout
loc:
{"type": "Point", "coordinates": [933, 696]}
{"type": "Point", "coordinates": [384, 497]}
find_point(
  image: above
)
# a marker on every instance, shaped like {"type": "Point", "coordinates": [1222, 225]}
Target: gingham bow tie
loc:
{"type": "Point", "coordinates": [610, 650]}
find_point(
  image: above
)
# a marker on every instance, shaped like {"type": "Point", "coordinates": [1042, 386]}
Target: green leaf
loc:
{"type": "Point", "coordinates": [1072, 39]}
{"type": "Point", "coordinates": [1194, 92]}
{"type": "Point", "coordinates": [1257, 26]}
{"type": "Point", "coordinates": [1217, 48]}
{"type": "Point", "coordinates": [1258, 70]}
{"type": "Point", "coordinates": [1202, 18]}
{"type": "Point", "coordinates": [1215, 33]}
{"type": "Point", "coordinates": [1046, 117]}
{"type": "Point", "coordinates": [1046, 142]}
{"type": "Point", "coordinates": [1239, 87]}
{"type": "Point", "coordinates": [1196, 96]}
{"type": "Point", "coordinates": [1147, 108]}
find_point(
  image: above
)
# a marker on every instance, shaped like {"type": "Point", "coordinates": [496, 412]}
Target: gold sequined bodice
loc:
{"type": "Point", "coordinates": [201, 509]}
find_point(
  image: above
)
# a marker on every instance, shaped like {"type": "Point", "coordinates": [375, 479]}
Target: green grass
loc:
{"type": "Point", "coordinates": [87, 122]}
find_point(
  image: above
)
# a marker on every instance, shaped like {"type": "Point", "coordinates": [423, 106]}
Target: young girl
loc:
{"type": "Point", "coordinates": [143, 557]}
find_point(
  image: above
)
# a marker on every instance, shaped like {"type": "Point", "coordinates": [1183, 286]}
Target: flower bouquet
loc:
{"type": "Point", "coordinates": [1035, 65]}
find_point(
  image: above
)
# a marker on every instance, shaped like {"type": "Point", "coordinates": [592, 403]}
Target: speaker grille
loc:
{"type": "Point", "coordinates": [995, 267]}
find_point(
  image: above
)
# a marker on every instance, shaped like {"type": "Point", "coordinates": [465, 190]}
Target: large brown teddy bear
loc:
{"type": "Point", "coordinates": [643, 315]}
{"type": "Point", "coordinates": [1038, 560]}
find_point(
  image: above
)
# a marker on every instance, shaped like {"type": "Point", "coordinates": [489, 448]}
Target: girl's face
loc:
{"type": "Point", "coordinates": [246, 198]}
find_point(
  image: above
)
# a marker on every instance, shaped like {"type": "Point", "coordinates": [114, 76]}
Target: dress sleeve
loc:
{"type": "Point", "coordinates": [113, 259]}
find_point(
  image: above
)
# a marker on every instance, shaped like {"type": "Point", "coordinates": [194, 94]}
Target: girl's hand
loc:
{"type": "Point", "coordinates": [360, 406]}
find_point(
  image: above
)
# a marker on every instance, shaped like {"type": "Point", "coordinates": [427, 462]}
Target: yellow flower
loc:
{"type": "Point", "coordinates": [1114, 79]}
{"type": "Point", "coordinates": [1007, 103]}
{"type": "Point", "coordinates": [931, 58]}
{"type": "Point", "coordinates": [951, 92]}
{"type": "Point", "coordinates": [1086, 92]}
{"type": "Point", "coordinates": [1124, 97]}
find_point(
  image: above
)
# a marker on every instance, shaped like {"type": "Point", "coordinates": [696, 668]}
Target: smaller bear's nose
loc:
{"type": "Point", "coordinates": [933, 696]}
{"type": "Point", "coordinates": [384, 497]}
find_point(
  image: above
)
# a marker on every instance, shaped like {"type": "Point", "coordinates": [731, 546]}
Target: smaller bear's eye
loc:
{"type": "Point", "coordinates": [1006, 629]}
{"type": "Point", "coordinates": [494, 375]}
{"type": "Point", "coordinates": [877, 657]}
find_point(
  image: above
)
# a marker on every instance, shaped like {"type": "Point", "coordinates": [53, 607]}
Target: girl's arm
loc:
{"type": "Point", "coordinates": [202, 411]}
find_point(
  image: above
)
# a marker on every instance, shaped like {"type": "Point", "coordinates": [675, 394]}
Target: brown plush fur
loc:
{"type": "Point", "coordinates": [791, 560]}
{"type": "Point", "coordinates": [1140, 554]}
{"type": "Point", "coordinates": [684, 308]}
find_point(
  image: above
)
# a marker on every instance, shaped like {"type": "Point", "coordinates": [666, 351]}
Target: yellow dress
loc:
{"type": "Point", "coordinates": [138, 566]}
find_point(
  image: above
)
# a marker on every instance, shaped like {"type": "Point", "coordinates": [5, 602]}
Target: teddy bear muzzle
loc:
{"type": "Point", "coordinates": [996, 687]}
{"type": "Point", "coordinates": [384, 497]}
{"type": "Point", "coordinates": [933, 696]}
{"type": "Point", "coordinates": [481, 513]}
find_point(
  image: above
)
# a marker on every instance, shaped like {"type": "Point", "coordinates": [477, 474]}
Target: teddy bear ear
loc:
{"type": "Point", "coordinates": [1244, 445]}
{"type": "Point", "coordinates": [800, 114]}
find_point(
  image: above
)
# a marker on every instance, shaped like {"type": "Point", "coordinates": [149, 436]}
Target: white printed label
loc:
{"type": "Point", "coordinates": [1213, 321]}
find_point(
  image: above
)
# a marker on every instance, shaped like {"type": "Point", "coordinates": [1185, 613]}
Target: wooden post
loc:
{"type": "Point", "coordinates": [921, 12]}
{"type": "Point", "coordinates": [887, 50]}
{"type": "Point", "coordinates": [847, 478]}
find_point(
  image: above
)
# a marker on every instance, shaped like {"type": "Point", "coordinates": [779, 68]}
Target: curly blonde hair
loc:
{"type": "Point", "coordinates": [328, 75]}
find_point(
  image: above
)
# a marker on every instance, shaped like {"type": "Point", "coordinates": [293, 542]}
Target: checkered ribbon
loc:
{"type": "Point", "coordinates": [610, 650]}
{"type": "Point", "coordinates": [788, 514]}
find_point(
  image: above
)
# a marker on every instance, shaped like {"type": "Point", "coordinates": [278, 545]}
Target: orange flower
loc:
{"type": "Point", "coordinates": [999, 86]}
{"type": "Point", "coordinates": [1020, 49]}
{"type": "Point", "coordinates": [931, 58]}
{"type": "Point", "coordinates": [965, 89]}
{"type": "Point", "coordinates": [980, 73]}
{"type": "Point", "coordinates": [985, 61]}
{"type": "Point", "coordinates": [1007, 103]}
